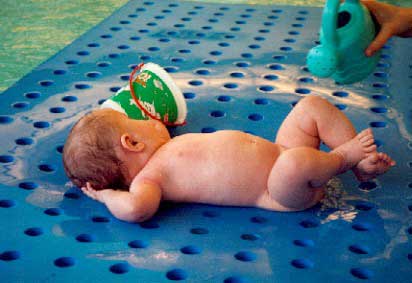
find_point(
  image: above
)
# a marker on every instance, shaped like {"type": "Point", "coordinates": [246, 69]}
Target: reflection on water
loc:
{"type": "Point", "coordinates": [334, 205]}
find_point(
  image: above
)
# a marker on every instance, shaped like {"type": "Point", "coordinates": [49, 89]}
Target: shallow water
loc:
{"type": "Point", "coordinates": [32, 31]}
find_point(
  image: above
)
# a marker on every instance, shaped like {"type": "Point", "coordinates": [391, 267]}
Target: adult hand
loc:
{"type": "Point", "coordinates": [393, 21]}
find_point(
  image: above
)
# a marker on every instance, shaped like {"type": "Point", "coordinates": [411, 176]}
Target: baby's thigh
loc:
{"type": "Point", "coordinates": [289, 182]}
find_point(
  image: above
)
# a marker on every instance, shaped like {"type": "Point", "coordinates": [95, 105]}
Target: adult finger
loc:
{"type": "Point", "coordinates": [384, 34]}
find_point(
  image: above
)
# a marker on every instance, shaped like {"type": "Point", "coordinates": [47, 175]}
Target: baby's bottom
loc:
{"type": "Point", "coordinates": [300, 172]}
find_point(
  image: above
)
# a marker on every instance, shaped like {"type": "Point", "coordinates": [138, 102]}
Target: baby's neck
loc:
{"type": "Point", "coordinates": [135, 162]}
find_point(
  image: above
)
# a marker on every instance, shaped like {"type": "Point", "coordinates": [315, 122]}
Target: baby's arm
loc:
{"type": "Point", "coordinates": [393, 21]}
{"type": "Point", "coordinates": [137, 205]}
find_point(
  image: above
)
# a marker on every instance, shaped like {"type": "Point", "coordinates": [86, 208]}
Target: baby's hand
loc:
{"type": "Point", "coordinates": [92, 193]}
{"type": "Point", "coordinates": [393, 21]}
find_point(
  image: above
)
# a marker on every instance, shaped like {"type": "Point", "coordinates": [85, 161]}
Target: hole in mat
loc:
{"type": "Point", "coordinates": [46, 168]}
{"type": "Point", "coordinates": [230, 85]}
{"type": "Point", "coordinates": [189, 95]}
{"type": "Point", "coordinates": [28, 185]}
{"type": "Point", "coordinates": [190, 250]}
{"type": "Point", "coordinates": [368, 186]}
{"type": "Point", "coordinates": [224, 98]}
{"type": "Point", "coordinates": [64, 262]}
{"type": "Point", "coordinates": [309, 223]}
{"type": "Point", "coordinates": [258, 219]}
{"type": "Point", "coordinates": [245, 256]}
{"type": "Point", "coordinates": [46, 83]}
{"type": "Point", "coordinates": [261, 101]}
{"type": "Point", "coordinates": [199, 231]}
{"type": "Point", "coordinates": [149, 225]}
{"type": "Point", "coordinates": [5, 119]}
{"type": "Point", "coordinates": [362, 227]}
{"type": "Point", "coordinates": [210, 214]}
{"type": "Point", "coordinates": [359, 249]}
{"type": "Point", "coordinates": [138, 244]}
{"type": "Point", "coordinates": [364, 206]}
{"type": "Point", "coordinates": [176, 274]}
{"type": "Point", "coordinates": [217, 114]}
{"type": "Point", "coordinates": [53, 211]}
{"type": "Point", "coordinates": [34, 231]}
{"type": "Point", "coordinates": [302, 263]}
{"type": "Point", "coordinates": [377, 124]}
{"type": "Point", "coordinates": [57, 110]}
{"type": "Point", "coordinates": [6, 158]}
{"type": "Point", "coordinates": [361, 273]}
{"type": "Point", "coordinates": [266, 88]}
{"type": "Point", "coordinates": [85, 238]}
{"type": "Point", "coordinates": [208, 130]}
{"type": "Point", "coordinates": [71, 195]}
{"type": "Point", "coordinates": [7, 203]}
{"type": "Point", "coordinates": [20, 105]}
{"type": "Point", "coordinates": [304, 243]}
{"type": "Point", "coordinates": [41, 124]}
{"type": "Point", "coordinates": [100, 219]}
{"type": "Point", "coordinates": [250, 237]}
{"type": "Point", "coordinates": [10, 255]}
{"type": "Point", "coordinates": [24, 141]}
{"type": "Point", "coordinates": [120, 268]}
{"type": "Point", "coordinates": [235, 279]}
{"type": "Point", "coordinates": [255, 117]}
{"type": "Point", "coordinates": [302, 90]}
{"type": "Point", "coordinates": [69, 98]}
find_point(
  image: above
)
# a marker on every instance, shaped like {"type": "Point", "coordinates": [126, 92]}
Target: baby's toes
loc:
{"type": "Point", "coordinates": [370, 148]}
{"type": "Point", "coordinates": [388, 159]}
{"type": "Point", "coordinates": [364, 133]}
{"type": "Point", "coordinates": [373, 158]}
{"type": "Point", "coordinates": [367, 140]}
{"type": "Point", "coordinates": [384, 157]}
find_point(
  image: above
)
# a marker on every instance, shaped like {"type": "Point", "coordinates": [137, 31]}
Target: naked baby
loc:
{"type": "Point", "coordinates": [132, 165]}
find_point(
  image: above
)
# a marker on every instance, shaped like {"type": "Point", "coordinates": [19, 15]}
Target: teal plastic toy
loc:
{"type": "Point", "coordinates": [347, 30]}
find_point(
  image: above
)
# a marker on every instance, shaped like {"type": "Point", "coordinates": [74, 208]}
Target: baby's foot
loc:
{"type": "Point", "coordinates": [373, 165]}
{"type": "Point", "coordinates": [356, 149]}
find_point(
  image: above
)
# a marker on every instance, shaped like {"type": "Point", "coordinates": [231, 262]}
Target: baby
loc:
{"type": "Point", "coordinates": [131, 165]}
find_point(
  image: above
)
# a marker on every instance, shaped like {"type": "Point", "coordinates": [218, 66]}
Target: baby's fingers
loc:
{"type": "Point", "coordinates": [89, 191]}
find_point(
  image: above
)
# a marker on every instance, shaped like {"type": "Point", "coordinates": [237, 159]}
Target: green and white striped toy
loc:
{"type": "Point", "coordinates": [152, 94]}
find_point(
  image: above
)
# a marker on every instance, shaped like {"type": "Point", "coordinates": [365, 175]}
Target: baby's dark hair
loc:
{"type": "Point", "coordinates": [89, 154]}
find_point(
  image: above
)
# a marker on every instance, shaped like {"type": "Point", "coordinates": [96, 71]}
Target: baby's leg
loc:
{"type": "Point", "coordinates": [299, 174]}
{"type": "Point", "coordinates": [297, 178]}
{"type": "Point", "coordinates": [312, 120]}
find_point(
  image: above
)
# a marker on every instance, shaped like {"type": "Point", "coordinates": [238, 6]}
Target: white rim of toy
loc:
{"type": "Point", "coordinates": [110, 104]}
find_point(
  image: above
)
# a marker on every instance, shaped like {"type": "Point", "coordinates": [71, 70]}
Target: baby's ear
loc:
{"type": "Point", "coordinates": [130, 143]}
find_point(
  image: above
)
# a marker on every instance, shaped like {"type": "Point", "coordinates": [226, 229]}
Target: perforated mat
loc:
{"type": "Point", "coordinates": [240, 67]}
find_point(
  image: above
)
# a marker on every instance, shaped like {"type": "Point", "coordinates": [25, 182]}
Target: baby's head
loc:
{"type": "Point", "coordinates": [107, 149]}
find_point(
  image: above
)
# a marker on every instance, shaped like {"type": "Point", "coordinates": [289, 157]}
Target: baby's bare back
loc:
{"type": "Point", "coordinates": [224, 168]}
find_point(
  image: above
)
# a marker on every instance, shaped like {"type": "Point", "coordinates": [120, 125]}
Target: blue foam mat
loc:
{"type": "Point", "coordinates": [240, 67]}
